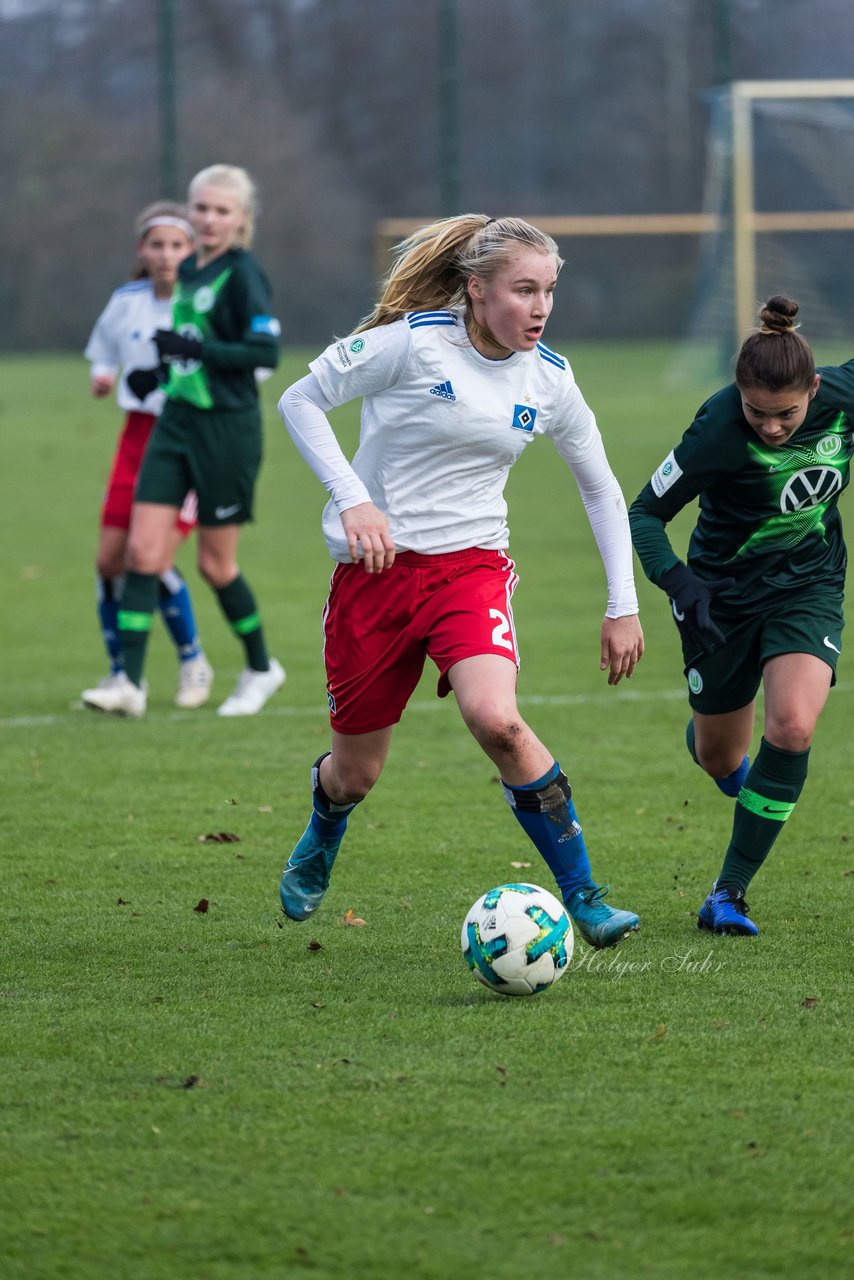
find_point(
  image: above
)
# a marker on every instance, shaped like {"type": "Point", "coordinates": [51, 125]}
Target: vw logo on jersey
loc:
{"type": "Point", "coordinates": [203, 299]}
{"type": "Point", "coordinates": [828, 446]}
{"type": "Point", "coordinates": [524, 417]}
{"type": "Point", "coordinates": [810, 487]}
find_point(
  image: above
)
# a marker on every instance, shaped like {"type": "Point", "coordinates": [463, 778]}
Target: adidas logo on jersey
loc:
{"type": "Point", "coordinates": [443, 389]}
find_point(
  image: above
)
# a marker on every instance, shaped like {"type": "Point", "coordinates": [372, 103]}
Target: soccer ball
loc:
{"type": "Point", "coordinates": [517, 939]}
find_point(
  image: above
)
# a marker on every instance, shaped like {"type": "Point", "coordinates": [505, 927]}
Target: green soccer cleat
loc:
{"type": "Point", "coordinates": [598, 924]}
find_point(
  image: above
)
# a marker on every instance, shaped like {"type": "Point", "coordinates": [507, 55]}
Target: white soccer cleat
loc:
{"type": "Point", "coordinates": [108, 682]}
{"type": "Point", "coordinates": [195, 678]}
{"type": "Point", "coordinates": [118, 697]}
{"type": "Point", "coordinates": [254, 688]}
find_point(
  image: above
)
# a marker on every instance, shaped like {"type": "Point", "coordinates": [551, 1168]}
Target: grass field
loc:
{"type": "Point", "coordinates": [213, 1095]}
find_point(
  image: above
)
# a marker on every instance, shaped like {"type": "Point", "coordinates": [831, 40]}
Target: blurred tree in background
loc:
{"type": "Point", "coordinates": [562, 107]}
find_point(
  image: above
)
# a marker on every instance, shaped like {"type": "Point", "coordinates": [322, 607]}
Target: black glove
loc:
{"type": "Point", "coordinates": [690, 597]}
{"type": "Point", "coordinates": [143, 381]}
{"type": "Point", "coordinates": [176, 345]}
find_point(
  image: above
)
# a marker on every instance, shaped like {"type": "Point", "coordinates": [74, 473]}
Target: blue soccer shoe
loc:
{"type": "Point", "coordinates": [725, 911]}
{"type": "Point", "coordinates": [598, 924]}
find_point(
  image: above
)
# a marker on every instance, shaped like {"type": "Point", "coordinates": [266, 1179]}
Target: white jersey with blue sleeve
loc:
{"type": "Point", "coordinates": [122, 340]}
{"type": "Point", "coordinates": [441, 427]}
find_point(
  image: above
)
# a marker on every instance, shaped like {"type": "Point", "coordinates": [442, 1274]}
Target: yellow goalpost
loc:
{"type": "Point", "coordinates": [745, 221]}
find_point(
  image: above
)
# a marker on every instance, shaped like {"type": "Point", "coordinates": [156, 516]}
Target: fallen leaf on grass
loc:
{"type": "Point", "coordinates": [809, 1002]}
{"type": "Point", "coordinates": [201, 906]}
{"type": "Point", "coordinates": [520, 864]}
{"type": "Point", "coordinates": [219, 837]}
{"type": "Point", "coordinates": [350, 917]}
{"type": "Point", "coordinates": [314, 945]}
{"type": "Point", "coordinates": [660, 1033]}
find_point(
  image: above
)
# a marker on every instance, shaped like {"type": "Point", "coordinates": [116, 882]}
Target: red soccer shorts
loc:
{"type": "Point", "coordinates": [118, 499]}
{"type": "Point", "coordinates": [380, 627]}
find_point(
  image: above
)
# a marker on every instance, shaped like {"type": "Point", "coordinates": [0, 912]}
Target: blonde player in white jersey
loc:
{"type": "Point", "coordinates": [123, 357]}
{"type": "Point", "coordinates": [456, 384]}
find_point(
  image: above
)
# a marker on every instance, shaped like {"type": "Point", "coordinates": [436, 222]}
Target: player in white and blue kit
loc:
{"type": "Point", "coordinates": [119, 350]}
{"type": "Point", "coordinates": [456, 384]}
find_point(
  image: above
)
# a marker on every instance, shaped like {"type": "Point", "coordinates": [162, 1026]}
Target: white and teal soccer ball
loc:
{"type": "Point", "coordinates": [517, 939]}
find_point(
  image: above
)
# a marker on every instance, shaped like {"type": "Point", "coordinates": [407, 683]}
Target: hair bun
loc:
{"type": "Point", "coordinates": [778, 315]}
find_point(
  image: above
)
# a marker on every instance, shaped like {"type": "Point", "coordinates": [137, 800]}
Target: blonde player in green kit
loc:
{"type": "Point", "coordinates": [208, 437]}
{"type": "Point", "coordinates": [760, 599]}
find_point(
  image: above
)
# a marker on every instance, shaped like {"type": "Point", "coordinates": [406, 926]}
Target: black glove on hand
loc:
{"type": "Point", "coordinates": [690, 597]}
{"type": "Point", "coordinates": [176, 345]}
{"type": "Point", "coordinates": [143, 381]}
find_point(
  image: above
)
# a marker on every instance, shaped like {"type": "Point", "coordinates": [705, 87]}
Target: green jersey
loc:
{"type": "Point", "coordinates": [227, 305]}
{"type": "Point", "coordinates": [768, 516]}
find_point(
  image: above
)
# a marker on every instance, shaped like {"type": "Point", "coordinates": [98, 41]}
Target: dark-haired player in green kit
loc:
{"type": "Point", "coordinates": [208, 437]}
{"type": "Point", "coordinates": [760, 599]}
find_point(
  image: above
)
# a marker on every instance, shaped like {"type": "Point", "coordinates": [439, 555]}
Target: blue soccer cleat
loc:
{"type": "Point", "coordinates": [599, 925]}
{"type": "Point", "coordinates": [305, 879]}
{"type": "Point", "coordinates": [725, 911]}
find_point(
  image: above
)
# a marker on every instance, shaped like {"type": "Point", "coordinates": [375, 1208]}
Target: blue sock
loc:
{"type": "Point", "coordinates": [546, 814]}
{"type": "Point", "coordinates": [329, 820]}
{"type": "Point", "coordinates": [733, 782]}
{"type": "Point", "coordinates": [177, 610]}
{"type": "Point", "coordinates": [108, 591]}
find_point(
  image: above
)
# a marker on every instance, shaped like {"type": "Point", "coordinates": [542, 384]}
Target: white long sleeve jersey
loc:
{"type": "Point", "coordinates": [122, 339]}
{"type": "Point", "coordinates": [441, 427]}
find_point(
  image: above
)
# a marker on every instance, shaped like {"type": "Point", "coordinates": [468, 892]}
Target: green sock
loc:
{"type": "Point", "coordinates": [238, 604]}
{"type": "Point", "coordinates": [136, 610]}
{"type": "Point", "coordinates": [766, 800]}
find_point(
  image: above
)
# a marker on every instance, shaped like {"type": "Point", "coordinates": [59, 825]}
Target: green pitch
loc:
{"type": "Point", "coordinates": [213, 1094]}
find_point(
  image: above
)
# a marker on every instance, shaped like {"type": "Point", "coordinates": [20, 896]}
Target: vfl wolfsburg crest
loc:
{"type": "Point", "coordinates": [203, 299]}
{"type": "Point", "coordinates": [828, 446]}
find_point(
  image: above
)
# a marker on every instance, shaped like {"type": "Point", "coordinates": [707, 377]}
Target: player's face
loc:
{"type": "Point", "coordinates": [161, 253]}
{"type": "Point", "coordinates": [515, 304]}
{"type": "Point", "coordinates": [218, 217]}
{"type": "Point", "coordinates": [776, 415]}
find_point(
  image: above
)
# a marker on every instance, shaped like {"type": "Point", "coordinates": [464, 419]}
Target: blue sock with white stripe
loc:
{"type": "Point", "coordinates": [177, 609]}
{"type": "Point", "coordinates": [108, 592]}
{"type": "Point", "coordinates": [546, 814]}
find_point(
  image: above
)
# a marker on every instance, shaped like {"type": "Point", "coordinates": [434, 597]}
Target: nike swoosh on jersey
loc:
{"type": "Point", "coordinates": [222, 513]}
{"type": "Point", "coordinates": [829, 645]}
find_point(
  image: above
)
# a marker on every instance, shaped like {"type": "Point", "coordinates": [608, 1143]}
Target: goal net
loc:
{"type": "Point", "coordinates": [779, 202]}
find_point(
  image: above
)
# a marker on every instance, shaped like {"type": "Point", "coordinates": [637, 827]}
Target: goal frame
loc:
{"type": "Point", "coordinates": [746, 221]}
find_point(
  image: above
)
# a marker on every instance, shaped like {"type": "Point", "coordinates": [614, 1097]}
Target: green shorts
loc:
{"type": "Point", "coordinates": [729, 679]}
{"type": "Point", "coordinates": [216, 452]}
